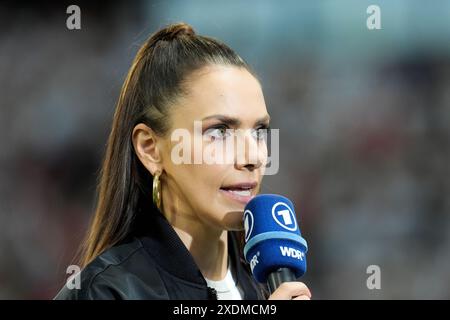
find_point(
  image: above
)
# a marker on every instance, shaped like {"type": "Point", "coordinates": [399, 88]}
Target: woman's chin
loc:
{"type": "Point", "coordinates": [232, 220]}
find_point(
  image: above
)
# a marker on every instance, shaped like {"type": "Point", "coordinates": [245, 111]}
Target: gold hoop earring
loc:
{"type": "Point", "coordinates": [157, 190]}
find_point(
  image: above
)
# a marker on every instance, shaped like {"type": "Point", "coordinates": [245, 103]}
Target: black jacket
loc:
{"type": "Point", "coordinates": [155, 265]}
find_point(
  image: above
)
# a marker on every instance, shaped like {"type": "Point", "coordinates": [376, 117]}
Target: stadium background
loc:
{"type": "Point", "coordinates": [363, 118]}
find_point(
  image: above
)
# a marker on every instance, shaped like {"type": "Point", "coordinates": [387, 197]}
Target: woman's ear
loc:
{"type": "Point", "coordinates": [146, 146]}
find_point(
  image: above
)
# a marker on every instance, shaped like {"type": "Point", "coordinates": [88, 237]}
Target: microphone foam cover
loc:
{"type": "Point", "coordinates": [272, 237]}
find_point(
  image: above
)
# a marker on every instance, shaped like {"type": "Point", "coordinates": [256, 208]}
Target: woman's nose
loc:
{"type": "Point", "coordinates": [249, 152]}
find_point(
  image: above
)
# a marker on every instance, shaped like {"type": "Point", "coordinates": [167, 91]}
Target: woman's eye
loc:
{"type": "Point", "coordinates": [217, 133]}
{"type": "Point", "coordinates": [260, 134]}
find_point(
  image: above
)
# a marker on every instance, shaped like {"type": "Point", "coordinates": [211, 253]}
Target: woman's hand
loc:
{"type": "Point", "coordinates": [291, 291]}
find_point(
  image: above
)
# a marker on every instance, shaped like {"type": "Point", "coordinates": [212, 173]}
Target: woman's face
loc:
{"type": "Point", "coordinates": [215, 192]}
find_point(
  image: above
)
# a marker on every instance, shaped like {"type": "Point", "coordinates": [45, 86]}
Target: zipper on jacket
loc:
{"type": "Point", "coordinates": [212, 293]}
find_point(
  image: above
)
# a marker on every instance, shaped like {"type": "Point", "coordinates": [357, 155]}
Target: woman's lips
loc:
{"type": "Point", "coordinates": [242, 196]}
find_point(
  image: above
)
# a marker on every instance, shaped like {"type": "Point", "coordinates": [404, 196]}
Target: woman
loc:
{"type": "Point", "coordinates": [170, 230]}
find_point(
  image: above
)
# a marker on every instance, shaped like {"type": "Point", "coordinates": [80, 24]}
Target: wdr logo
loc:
{"type": "Point", "coordinates": [293, 253]}
{"type": "Point", "coordinates": [254, 261]}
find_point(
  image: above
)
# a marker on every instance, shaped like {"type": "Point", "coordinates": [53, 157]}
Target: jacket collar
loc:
{"type": "Point", "coordinates": [169, 252]}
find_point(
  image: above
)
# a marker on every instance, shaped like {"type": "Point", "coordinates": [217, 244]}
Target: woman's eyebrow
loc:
{"type": "Point", "coordinates": [231, 121]}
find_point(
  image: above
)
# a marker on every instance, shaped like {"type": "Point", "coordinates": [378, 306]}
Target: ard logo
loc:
{"type": "Point", "coordinates": [284, 216]}
{"type": "Point", "coordinates": [248, 224]}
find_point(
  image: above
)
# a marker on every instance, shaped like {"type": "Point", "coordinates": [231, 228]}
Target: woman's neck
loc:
{"type": "Point", "coordinates": [208, 246]}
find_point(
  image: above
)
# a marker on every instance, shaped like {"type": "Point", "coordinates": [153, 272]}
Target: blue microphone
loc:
{"type": "Point", "coordinates": [274, 247]}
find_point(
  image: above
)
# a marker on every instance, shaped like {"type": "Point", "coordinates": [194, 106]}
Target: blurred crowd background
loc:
{"type": "Point", "coordinates": [363, 118]}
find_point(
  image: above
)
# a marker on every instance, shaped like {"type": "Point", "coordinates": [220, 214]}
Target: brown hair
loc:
{"type": "Point", "coordinates": [154, 81]}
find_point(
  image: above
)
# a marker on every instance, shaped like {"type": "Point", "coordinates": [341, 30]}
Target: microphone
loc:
{"type": "Point", "coordinates": [274, 247]}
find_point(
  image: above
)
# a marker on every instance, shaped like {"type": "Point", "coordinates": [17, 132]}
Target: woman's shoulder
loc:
{"type": "Point", "coordinates": [121, 272]}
